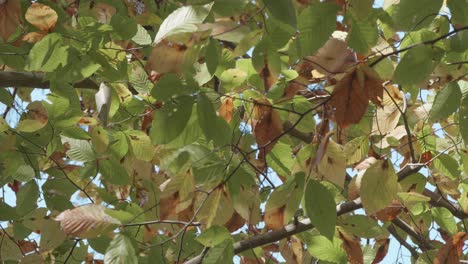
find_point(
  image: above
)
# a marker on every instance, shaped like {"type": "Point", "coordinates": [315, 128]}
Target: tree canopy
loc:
{"type": "Point", "coordinates": [213, 131]}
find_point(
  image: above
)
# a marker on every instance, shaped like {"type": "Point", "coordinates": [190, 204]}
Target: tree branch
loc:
{"type": "Point", "coordinates": [427, 42]}
{"type": "Point", "coordinates": [420, 240]}
{"type": "Point", "coordinates": [36, 80]}
{"type": "Point", "coordinates": [286, 231]}
{"type": "Point", "coordinates": [403, 242]}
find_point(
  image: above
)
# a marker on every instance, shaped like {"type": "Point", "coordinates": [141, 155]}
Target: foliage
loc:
{"type": "Point", "coordinates": [201, 130]}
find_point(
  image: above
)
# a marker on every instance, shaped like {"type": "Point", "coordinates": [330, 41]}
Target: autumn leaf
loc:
{"type": "Point", "coordinates": [10, 18]}
{"type": "Point", "coordinates": [451, 252]}
{"type": "Point", "coordinates": [351, 95]}
{"type": "Point", "coordinates": [267, 126]}
{"type": "Point", "coordinates": [226, 109]}
{"type": "Point", "coordinates": [352, 246]}
{"type": "Point", "coordinates": [274, 218]}
{"type": "Point", "coordinates": [166, 57]}
{"type": "Point", "coordinates": [382, 250]}
{"type": "Point", "coordinates": [41, 16]}
{"type": "Point", "coordinates": [86, 221]}
{"type": "Point", "coordinates": [387, 117]}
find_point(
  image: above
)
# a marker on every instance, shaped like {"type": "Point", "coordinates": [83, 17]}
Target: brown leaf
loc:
{"type": "Point", "coordinates": [382, 250]}
{"type": "Point", "coordinates": [235, 222]}
{"type": "Point", "coordinates": [103, 12]}
{"type": "Point", "coordinates": [451, 252]}
{"type": "Point", "coordinates": [352, 246]}
{"type": "Point", "coordinates": [86, 221]}
{"type": "Point", "coordinates": [41, 16]}
{"type": "Point", "coordinates": [274, 218]}
{"type": "Point", "coordinates": [27, 246]}
{"type": "Point", "coordinates": [166, 57]}
{"type": "Point", "coordinates": [390, 212]}
{"type": "Point", "coordinates": [226, 109]}
{"type": "Point", "coordinates": [33, 37]}
{"type": "Point", "coordinates": [292, 250]}
{"type": "Point", "coordinates": [267, 127]}
{"type": "Point", "coordinates": [10, 18]}
{"type": "Point", "coordinates": [352, 94]}
{"type": "Point", "coordinates": [334, 57]}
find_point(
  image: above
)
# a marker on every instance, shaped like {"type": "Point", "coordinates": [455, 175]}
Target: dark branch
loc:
{"type": "Point", "coordinates": [36, 80]}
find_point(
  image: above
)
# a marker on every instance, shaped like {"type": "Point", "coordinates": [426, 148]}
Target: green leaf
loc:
{"type": "Point", "coordinates": [316, 24]}
{"type": "Point", "coordinates": [444, 219]}
{"type": "Point", "coordinates": [26, 198]}
{"type": "Point", "coordinates": [168, 86]}
{"type": "Point", "coordinates": [140, 145]}
{"type": "Point", "coordinates": [213, 52]}
{"type": "Point", "coordinates": [233, 78]}
{"type": "Point", "coordinates": [124, 26]}
{"type": "Point", "coordinates": [319, 205]}
{"type": "Point", "coordinates": [213, 236]}
{"type": "Point", "coordinates": [113, 172]}
{"type": "Point", "coordinates": [80, 150]}
{"type": "Point", "coordinates": [119, 144]}
{"type": "Point", "coordinates": [142, 37]}
{"type": "Point", "coordinates": [121, 251]}
{"type": "Point", "coordinates": [47, 54]}
{"type": "Point", "coordinates": [446, 102]}
{"type": "Point", "coordinates": [99, 139]}
{"type": "Point", "coordinates": [171, 119]}
{"type": "Point", "coordinates": [24, 173]}
{"type": "Point", "coordinates": [458, 10]}
{"type": "Point", "coordinates": [417, 64]}
{"type": "Point", "coordinates": [215, 128]}
{"type": "Point", "coordinates": [322, 248]}
{"type": "Point", "coordinates": [379, 186]}
{"type": "Point", "coordinates": [362, 226]}
{"type": "Point", "coordinates": [362, 36]}
{"type": "Point", "coordinates": [283, 10]}
{"type": "Point", "coordinates": [447, 165]}
{"type": "Point", "coordinates": [222, 253]}
{"type": "Point", "coordinates": [411, 15]}
{"type": "Point", "coordinates": [29, 125]}
{"type": "Point", "coordinates": [183, 19]}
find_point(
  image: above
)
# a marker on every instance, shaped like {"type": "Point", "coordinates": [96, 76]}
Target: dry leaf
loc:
{"type": "Point", "coordinates": [451, 252]}
{"type": "Point", "coordinates": [333, 165]}
{"type": "Point", "coordinates": [104, 12]}
{"type": "Point", "coordinates": [235, 222]}
{"type": "Point", "coordinates": [352, 246]}
{"type": "Point", "coordinates": [86, 221]}
{"type": "Point", "coordinates": [41, 16]}
{"type": "Point", "coordinates": [398, 133]}
{"type": "Point", "coordinates": [382, 250]}
{"type": "Point", "coordinates": [166, 57]}
{"type": "Point", "coordinates": [334, 57]}
{"type": "Point", "coordinates": [352, 94]}
{"type": "Point", "coordinates": [387, 117]}
{"type": "Point", "coordinates": [390, 212]}
{"type": "Point", "coordinates": [33, 37]}
{"type": "Point", "coordinates": [10, 18]}
{"type": "Point", "coordinates": [226, 109]}
{"type": "Point", "coordinates": [274, 218]}
{"type": "Point", "coordinates": [292, 250]}
{"type": "Point", "coordinates": [267, 127]}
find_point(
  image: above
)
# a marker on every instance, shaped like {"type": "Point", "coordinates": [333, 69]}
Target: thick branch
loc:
{"type": "Point", "coordinates": [286, 231]}
{"type": "Point", "coordinates": [36, 80]}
